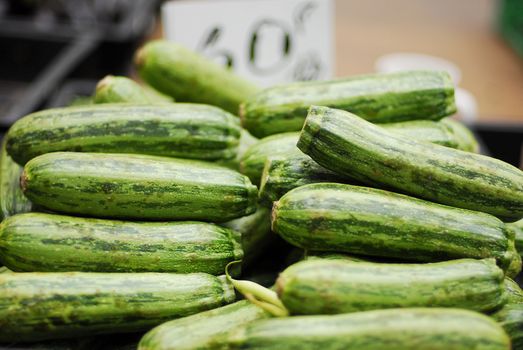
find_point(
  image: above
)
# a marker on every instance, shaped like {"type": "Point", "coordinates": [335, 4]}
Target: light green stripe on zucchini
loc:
{"type": "Point", "coordinates": [115, 89]}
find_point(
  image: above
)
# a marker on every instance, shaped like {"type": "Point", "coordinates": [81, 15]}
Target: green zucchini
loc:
{"type": "Point", "coordinates": [465, 138]}
{"type": "Point", "coordinates": [393, 329]}
{"type": "Point", "coordinates": [12, 199]}
{"type": "Point", "coordinates": [513, 291]}
{"type": "Point", "coordinates": [137, 186]}
{"type": "Point", "coordinates": [351, 146]}
{"type": "Point", "coordinates": [510, 317]}
{"type": "Point", "coordinates": [256, 233]}
{"type": "Point", "coordinates": [253, 160]}
{"type": "Point", "coordinates": [200, 331]}
{"type": "Point", "coordinates": [246, 141]}
{"type": "Point", "coordinates": [30, 242]}
{"type": "Point", "coordinates": [327, 286]}
{"type": "Point", "coordinates": [379, 98]}
{"type": "Point", "coordinates": [37, 306]}
{"type": "Point", "coordinates": [189, 77]}
{"type": "Point", "coordinates": [517, 228]}
{"type": "Point", "coordinates": [360, 220]}
{"type": "Point", "coordinates": [113, 89]}
{"type": "Point", "coordinates": [174, 130]}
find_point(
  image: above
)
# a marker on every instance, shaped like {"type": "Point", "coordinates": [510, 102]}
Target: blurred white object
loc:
{"type": "Point", "coordinates": [401, 61]}
{"type": "Point", "coordinates": [268, 41]}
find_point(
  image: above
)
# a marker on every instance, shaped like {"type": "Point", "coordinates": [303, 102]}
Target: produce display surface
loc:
{"type": "Point", "coordinates": [142, 218]}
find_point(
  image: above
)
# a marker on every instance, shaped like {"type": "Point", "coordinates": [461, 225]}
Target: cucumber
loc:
{"type": "Point", "coordinates": [379, 98]}
{"type": "Point", "coordinates": [393, 329]}
{"type": "Point", "coordinates": [517, 228]}
{"type": "Point", "coordinates": [351, 146]}
{"type": "Point", "coordinates": [12, 199]}
{"type": "Point", "coordinates": [189, 77]}
{"type": "Point", "coordinates": [37, 306]}
{"type": "Point", "coordinates": [360, 220]}
{"type": "Point", "coordinates": [256, 235]}
{"type": "Point", "coordinates": [113, 89]}
{"type": "Point", "coordinates": [137, 186]}
{"type": "Point", "coordinates": [30, 242]}
{"type": "Point", "coordinates": [174, 130]}
{"type": "Point", "coordinates": [200, 331]}
{"type": "Point", "coordinates": [253, 160]}
{"type": "Point", "coordinates": [510, 317]}
{"type": "Point", "coordinates": [327, 286]}
{"type": "Point", "coordinates": [466, 139]}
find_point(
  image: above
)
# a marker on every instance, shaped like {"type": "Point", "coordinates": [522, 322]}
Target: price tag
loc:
{"type": "Point", "coordinates": [267, 41]}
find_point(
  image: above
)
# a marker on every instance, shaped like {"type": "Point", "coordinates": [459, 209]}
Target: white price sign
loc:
{"type": "Point", "coordinates": [268, 41]}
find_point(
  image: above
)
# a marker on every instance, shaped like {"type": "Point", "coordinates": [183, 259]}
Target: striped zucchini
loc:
{"type": "Point", "coordinates": [31, 242]}
{"type": "Point", "coordinates": [393, 329]}
{"type": "Point", "coordinates": [256, 235]}
{"type": "Point", "coordinates": [200, 331]}
{"type": "Point", "coordinates": [253, 160]}
{"type": "Point", "coordinates": [517, 228]}
{"type": "Point", "coordinates": [174, 130]}
{"type": "Point", "coordinates": [37, 306]}
{"type": "Point", "coordinates": [510, 317]}
{"type": "Point", "coordinates": [12, 199]}
{"type": "Point", "coordinates": [246, 141]}
{"type": "Point", "coordinates": [189, 77]}
{"type": "Point", "coordinates": [137, 186]}
{"type": "Point", "coordinates": [327, 286]}
{"type": "Point", "coordinates": [465, 138]}
{"type": "Point", "coordinates": [351, 146]}
{"type": "Point", "coordinates": [379, 98]}
{"type": "Point", "coordinates": [113, 89]}
{"type": "Point", "coordinates": [360, 220]}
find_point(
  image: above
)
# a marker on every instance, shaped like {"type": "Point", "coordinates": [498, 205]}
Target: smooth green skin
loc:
{"type": "Point", "coordinates": [393, 329]}
{"type": "Point", "coordinates": [510, 317]}
{"type": "Point", "coordinates": [55, 243]}
{"type": "Point", "coordinates": [379, 98]}
{"type": "Point", "coordinates": [175, 130]}
{"type": "Point", "coordinates": [12, 199]}
{"type": "Point", "coordinates": [350, 146]}
{"type": "Point", "coordinates": [285, 172]}
{"type": "Point", "coordinates": [360, 220]}
{"type": "Point", "coordinates": [200, 331]}
{"type": "Point", "coordinates": [246, 141]}
{"type": "Point", "coordinates": [138, 187]}
{"type": "Point", "coordinates": [513, 291]}
{"type": "Point", "coordinates": [38, 306]}
{"type": "Point", "coordinates": [253, 160]}
{"type": "Point", "coordinates": [115, 89]}
{"type": "Point", "coordinates": [189, 77]}
{"type": "Point", "coordinates": [256, 235]}
{"type": "Point", "coordinates": [466, 139]}
{"type": "Point", "coordinates": [517, 228]}
{"type": "Point", "coordinates": [327, 286]}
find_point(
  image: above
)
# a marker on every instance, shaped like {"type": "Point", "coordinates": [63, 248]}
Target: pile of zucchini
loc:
{"type": "Point", "coordinates": [128, 215]}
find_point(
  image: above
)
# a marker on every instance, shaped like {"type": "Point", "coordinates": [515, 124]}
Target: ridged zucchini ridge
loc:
{"type": "Point", "coordinates": [137, 186]}
{"type": "Point", "coordinates": [37, 306]}
{"type": "Point", "coordinates": [115, 89]}
{"type": "Point", "coordinates": [200, 331]}
{"type": "Point", "coordinates": [327, 286]}
{"type": "Point", "coordinates": [462, 134]}
{"type": "Point", "coordinates": [379, 98]}
{"type": "Point", "coordinates": [31, 242]}
{"type": "Point", "coordinates": [510, 317]}
{"type": "Point", "coordinates": [393, 329]}
{"type": "Point", "coordinates": [517, 228]}
{"type": "Point", "coordinates": [189, 77]}
{"type": "Point", "coordinates": [344, 143]}
{"type": "Point", "coordinates": [253, 160]}
{"type": "Point", "coordinates": [256, 235]}
{"type": "Point", "coordinates": [12, 199]}
{"type": "Point", "coordinates": [360, 220]}
{"type": "Point", "coordinates": [176, 130]}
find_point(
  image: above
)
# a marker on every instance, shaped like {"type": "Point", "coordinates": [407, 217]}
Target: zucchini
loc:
{"type": "Point", "coordinates": [189, 77]}
{"type": "Point", "coordinates": [113, 89]}
{"type": "Point", "coordinates": [327, 286]}
{"type": "Point", "coordinates": [517, 228]}
{"type": "Point", "coordinates": [351, 146]}
{"type": "Point", "coordinates": [200, 331]}
{"type": "Point", "coordinates": [360, 220]}
{"type": "Point", "coordinates": [4, 269]}
{"type": "Point", "coordinates": [253, 160]}
{"type": "Point", "coordinates": [393, 329]}
{"type": "Point", "coordinates": [30, 242]}
{"type": "Point", "coordinates": [174, 130]}
{"type": "Point", "coordinates": [510, 317]}
{"type": "Point", "coordinates": [137, 186]}
{"type": "Point", "coordinates": [36, 306]}
{"type": "Point", "coordinates": [513, 291]}
{"type": "Point", "coordinates": [246, 141]}
{"type": "Point", "coordinates": [256, 235]}
{"type": "Point", "coordinates": [465, 138]}
{"type": "Point", "coordinates": [12, 199]}
{"type": "Point", "coordinates": [379, 98]}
